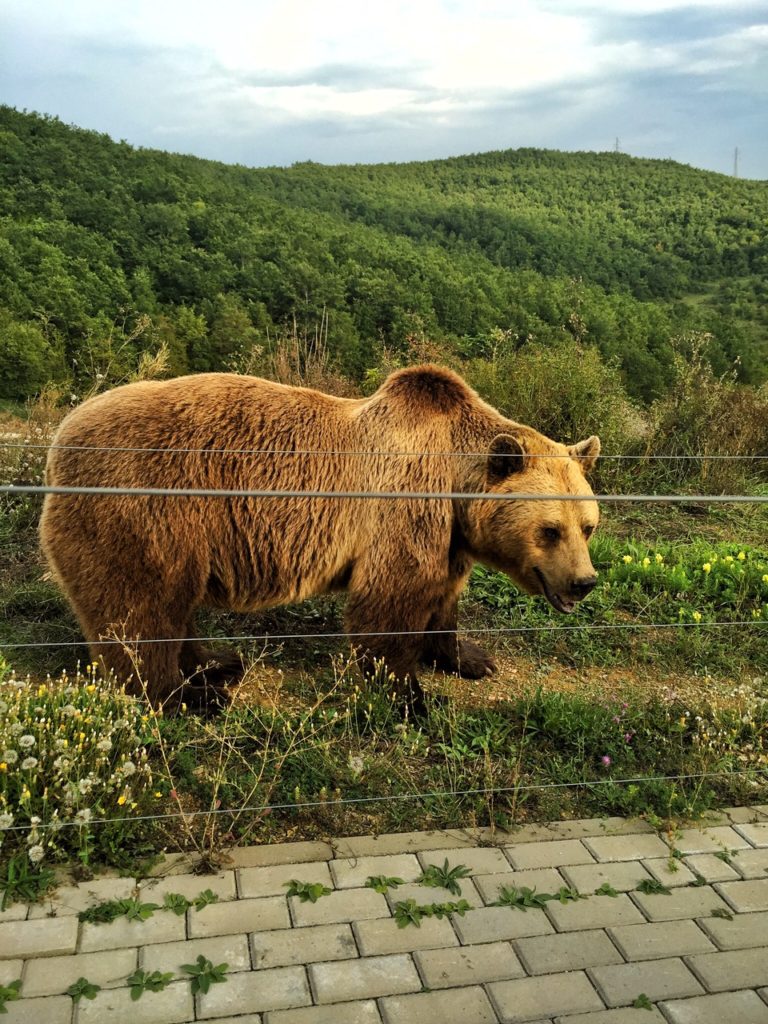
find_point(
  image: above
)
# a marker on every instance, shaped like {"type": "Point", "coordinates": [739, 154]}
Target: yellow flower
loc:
{"type": "Point", "coordinates": [682, 721]}
{"type": "Point", "coordinates": [3, 766]}
{"type": "Point", "coordinates": [90, 688]}
{"type": "Point", "coordinates": [158, 795]}
{"type": "Point", "coordinates": [765, 577]}
{"type": "Point", "coordinates": [707, 567]}
{"type": "Point", "coordinates": [696, 616]}
{"type": "Point", "coordinates": [646, 562]}
{"type": "Point", "coordinates": [659, 558]}
{"type": "Point", "coordinates": [627, 559]}
{"type": "Point", "coordinates": [755, 615]}
{"type": "Point", "coordinates": [729, 558]}
{"type": "Point", "coordinates": [121, 799]}
{"type": "Point", "coordinates": [741, 556]}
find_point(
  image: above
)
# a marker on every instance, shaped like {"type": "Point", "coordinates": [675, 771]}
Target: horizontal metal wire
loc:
{"type": "Point", "coordinates": [383, 454]}
{"type": "Point", "coordinates": [476, 630]}
{"type": "Point", "coordinates": [390, 798]}
{"type": "Point", "coordinates": [205, 492]}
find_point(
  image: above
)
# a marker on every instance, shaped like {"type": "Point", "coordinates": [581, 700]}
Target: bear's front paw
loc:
{"type": "Point", "coordinates": [473, 662]}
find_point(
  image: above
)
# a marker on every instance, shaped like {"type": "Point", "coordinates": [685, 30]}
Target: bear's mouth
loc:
{"type": "Point", "coordinates": [558, 603]}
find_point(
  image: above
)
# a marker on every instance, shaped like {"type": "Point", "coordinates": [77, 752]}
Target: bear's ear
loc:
{"type": "Point", "coordinates": [586, 452]}
{"type": "Point", "coordinates": [505, 456]}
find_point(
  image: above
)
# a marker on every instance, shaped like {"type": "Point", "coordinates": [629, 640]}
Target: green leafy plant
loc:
{"type": "Point", "coordinates": [642, 1002]}
{"type": "Point", "coordinates": [381, 883]}
{"type": "Point", "coordinates": [23, 881]}
{"type": "Point", "coordinates": [522, 898]}
{"type": "Point", "coordinates": [83, 988]}
{"type": "Point", "coordinates": [567, 895]}
{"type": "Point", "coordinates": [176, 903]}
{"type": "Point", "coordinates": [308, 892]}
{"type": "Point", "coordinates": [722, 913]}
{"type": "Point", "coordinates": [8, 993]}
{"type": "Point", "coordinates": [149, 981]}
{"type": "Point", "coordinates": [652, 886]}
{"type": "Point", "coordinates": [606, 889]}
{"type": "Point", "coordinates": [204, 974]}
{"type": "Point", "coordinates": [205, 899]}
{"type": "Point", "coordinates": [444, 877]}
{"type": "Point", "coordinates": [110, 910]}
{"type": "Point", "coordinates": [724, 856]}
{"type": "Point", "coordinates": [410, 912]}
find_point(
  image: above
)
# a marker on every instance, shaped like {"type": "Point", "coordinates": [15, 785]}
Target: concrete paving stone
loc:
{"type": "Point", "coordinates": [711, 868]}
{"type": "Point", "coordinates": [578, 828]}
{"type": "Point", "coordinates": [49, 937]}
{"type": "Point", "coordinates": [740, 1007]}
{"type": "Point", "coordinates": [376, 938]}
{"type": "Point", "coordinates": [400, 842]}
{"type": "Point", "coordinates": [468, 965]}
{"type": "Point", "coordinates": [239, 916]}
{"type": "Point", "coordinates": [542, 880]}
{"type": "Point", "coordinates": [273, 880]}
{"type": "Point", "coordinates": [173, 1005]}
{"type": "Point", "coordinates": [292, 946]}
{"type": "Point", "coordinates": [354, 873]}
{"type": "Point", "coordinates": [745, 931]}
{"type": "Point", "coordinates": [570, 951]}
{"type": "Point", "coordinates": [620, 984]}
{"type": "Point", "coordinates": [71, 899]}
{"type": "Point", "coordinates": [50, 1009]}
{"type": "Point", "coordinates": [161, 927]}
{"type": "Point", "coordinates": [622, 875]}
{"type": "Point", "coordinates": [596, 912]}
{"type": "Point", "coordinates": [763, 993]}
{"type": "Point", "coordinates": [254, 992]}
{"type": "Point", "coordinates": [672, 877]}
{"type": "Point", "coordinates": [224, 949]}
{"type": "Point", "coordinates": [10, 970]}
{"type": "Point", "coordinates": [279, 853]}
{"type": "Point", "coordinates": [458, 1006]}
{"type": "Point", "coordinates": [680, 904]}
{"type": "Point", "coordinates": [745, 896]}
{"type": "Point", "coordinates": [363, 1012]}
{"type": "Point", "coordinates": [492, 924]}
{"type": "Point", "coordinates": [756, 835]}
{"type": "Point", "coordinates": [340, 906]}
{"type": "Point", "coordinates": [550, 854]}
{"type": "Point", "coordinates": [623, 1015]}
{"type": "Point", "coordinates": [745, 815]}
{"type": "Point", "coordinates": [51, 977]}
{"type": "Point", "coordinates": [480, 861]}
{"type": "Point", "coordinates": [525, 999]}
{"type": "Point", "coordinates": [16, 912]}
{"type": "Point", "coordinates": [436, 893]}
{"type": "Point", "coordinates": [734, 969]}
{"type": "Point", "coordinates": [248, 1018]}
{"type": "Point", "coordinates": [713, 839]}
{"type": "Point", "coordinates": [368, 978]}
{"type": "Point", "coordinates": [656, 941]}
{"type": "Point", "coordinates": [223, 884]}
{"type": "Point", "coordinates": [751, 863]}
{"type": "Point", "coordinates": [633, 847]}
{"type": "Point", "coordinates": [174, 864]}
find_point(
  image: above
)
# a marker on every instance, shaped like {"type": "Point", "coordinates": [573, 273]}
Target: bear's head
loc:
{"type": "Point", "coordinates": [543, 544]}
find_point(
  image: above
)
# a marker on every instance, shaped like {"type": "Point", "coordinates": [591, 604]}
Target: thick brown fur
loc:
{"type": "Point", "coordinates": [142, 566]}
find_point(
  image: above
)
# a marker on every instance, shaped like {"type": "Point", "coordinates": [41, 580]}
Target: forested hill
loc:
{"type": "Point", "coordinates": [503, 248]}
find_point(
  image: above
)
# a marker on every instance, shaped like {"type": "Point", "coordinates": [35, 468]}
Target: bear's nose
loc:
{"type": "Point", "coordinates": [580, 588]}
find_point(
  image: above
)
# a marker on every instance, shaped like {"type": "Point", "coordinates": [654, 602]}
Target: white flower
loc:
{"type": "Point", "coordinates": [34, 821]}
{"type": "Point", "coordinates": [9, 756]}
{"type": "Point", "coordinates": [6, 820]}
{"type": "Point", "coordinates": [26, 742]}
{"type": "Point", "coordinates": [84, 815]}
{"type": "Point", "coordinates": [128, 768]}
{"type": "Point", "coordinates": [29, 762]}
{"type": "Point", "coordinates": [105, 745]}
{"type": "Point", "coordinates": [122, 723]}
{"type": "Point", "coordinates": [62, 764]}
{"type": "Point", "coordinates": [60, 744]}
{"type": "Point", "coordinates": [15, 728]}
{"type": "Point", "coordinates": [3, 707]}
{"type": "Point", "coordinates": [36, 853]}
{"type": "Point", "coordinates": [69, 710]}
{"type": "Point", "coordinates": [84, 786]}
{"type": "Point", "coordinates": [355, 764]}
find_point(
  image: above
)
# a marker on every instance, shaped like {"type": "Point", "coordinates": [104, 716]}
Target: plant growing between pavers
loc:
{"type": "Point", "coordinates": [642, 1002]}
{"type": "Point", "coordinates": [8, 993]}
{"type": "Point", "coordinates": [204, 974]}
{"type": "Point", "coordinates": [721, 912]}
{"type": "Point", "coordinates": [308, 892]}
{"type": "Point", "coordinates": [176, 903]}
{"type": "Point", "coordinates": [606, 889]}
{"type": "Point", "coordinates": [135, 910]}
{"type": "Point", "coordinates": [524, 898]}
{"type": "Point", "coordinates": [444, 877]}
{"type": "Point", "coordinates": [24, 882]}
{"type": "Point", "coordinates": [148, 981]}
{"type": "Point", "coordinates": [653, 887]}
{"type": "Point", "coordinates": [205, 899]}
{"type": "Point", "coordinates": [381, 883]}
{"type": "Point", "coordinates": [410, 912]}
{"type": "Point", "coordinates": [83, 988]}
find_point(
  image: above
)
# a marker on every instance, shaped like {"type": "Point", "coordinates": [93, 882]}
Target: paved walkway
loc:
{"type": "Point", "coordinates": [695, 955]}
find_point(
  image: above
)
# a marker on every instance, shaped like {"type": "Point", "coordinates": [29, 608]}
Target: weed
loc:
{"type": "Point", "coordinates": [521, 899]}
{"type": "Point", "coordinates": [149, 981]}
{"type": "Point", "coordinates": [82, 988]}
{"type": "Point", "coordinates": [721, 912]}
{"type": "Point", "coordinates": [308, 892]}
{"type": "Point", "coordinates": [204, 974]}
{"type": "Point", "coordinates": [606, 889]}
{"type": "Point", "coordinates": [381, 883]}
{"type": "Point", "coordinates": [724, 855]}
{"type": "Point", "coordinates": [8, 993]}
{"type": "Point", "coordinates": [176, 903]}
{"type": "Point", "coordinates": [24, 882]}
{"type": "Point", "coordinates": [410, 912]}
{"type": "Point", "coordinates": [205, 899]}
{"type": "Point", "coordinates": [444, 877]}
{"type": "Point", "coordinates": [110, 910]}
{"type": "Point", "coordinates": [652, 886]}
{"type": "Point", "coordinates": [642, 1002]}
{"type": "Point", "coordinates": [566, 895]}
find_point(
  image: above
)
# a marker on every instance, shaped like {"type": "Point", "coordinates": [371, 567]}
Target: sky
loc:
{"type": "Point", "coordinates": [272, 82]}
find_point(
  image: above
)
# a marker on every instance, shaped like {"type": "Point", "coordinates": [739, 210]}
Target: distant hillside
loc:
{"type": "Point", "coordinates": [499, 248]}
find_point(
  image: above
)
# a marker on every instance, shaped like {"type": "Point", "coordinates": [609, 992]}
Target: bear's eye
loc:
{"type": "Point", "coordinates": [551, 534]}
{"type": "Point", "coordinates": [588, 531]}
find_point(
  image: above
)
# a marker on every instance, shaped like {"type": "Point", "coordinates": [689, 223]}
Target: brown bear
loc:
{"type": "Point", "coordinates": [140, 566]}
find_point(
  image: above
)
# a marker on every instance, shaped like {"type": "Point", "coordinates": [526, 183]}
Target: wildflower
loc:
{"type": "Point", "coordinates": [741, 556]}
{"type": "Point", "coordinates": [121, 799]}
{"type": "Point", "coordinates": [3, 766]}
{"type": "Point", "coordinates": [128, 768]}
{"type": "Point", "coordinates": [696, 616]}
{"type": "Point", "coordinates": [85, 786]}
{"type": "Point", "coordinates": [10, 756]}
{"type": "Point", "coordinates": [765, 577]}
{"type": "Point", "coordinates": [6, 820]}
{"type": "Point", "coordinates": [707, 567]}
{"type": "Point", "coordinates": [83, 816]}
{"type": "Point", "coordinates": [28, 763]}
{"type": "Point", "coordinates": [36, 853]}
{"type": "Point", "coordinates": [646, 562]}
{"type": "Point", "coordinates": [26, 742]}
{"type": "Point", "coordinates": [157, 795]}
{"type": "Point", "coordinates": [104, 745]}
{"type": "Point", "coordinates": [627, 559]}
{"type": "Point", "coordinates": [605, 760]}
{"type": "Point", "coordinates": [659, 558]}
